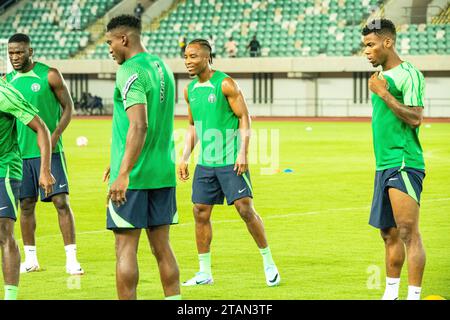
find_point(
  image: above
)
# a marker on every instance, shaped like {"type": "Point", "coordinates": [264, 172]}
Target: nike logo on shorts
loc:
{"type": "Point", "coordinates": [2, 208]}
{"type": "Point", "coordinates": [62, 185]}
{"type": "Point", "coordinates": [240, 191]}
{"type": "Point", "coordinates": [392, 179]}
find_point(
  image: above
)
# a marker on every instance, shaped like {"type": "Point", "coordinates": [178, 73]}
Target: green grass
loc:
{"type": "Point", "coordinates": [315, 219]}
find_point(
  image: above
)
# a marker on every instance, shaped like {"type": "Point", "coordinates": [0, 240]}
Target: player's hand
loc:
{"type": "Point", "coordinates": [377, 84]}
{"type": "Point", "coordinates": [183, 171]}
{"type": "Point", "coordinates": [55, 139]}
{"type": "Point", "coordinates": [106, 174]}
{"type": "Point", "coordinates": [46, 182]}
{"type": "Point", "coordinates": [241, 165]}
{"type": "Point", "coordinates": [118, 189]}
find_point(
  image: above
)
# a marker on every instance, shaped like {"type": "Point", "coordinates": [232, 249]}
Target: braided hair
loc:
{"type": "Point", "coordinates": [205, 44]}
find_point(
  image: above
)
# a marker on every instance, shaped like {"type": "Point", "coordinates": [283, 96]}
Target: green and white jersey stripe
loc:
{"type": "Point", "coordinates": [395, 142]}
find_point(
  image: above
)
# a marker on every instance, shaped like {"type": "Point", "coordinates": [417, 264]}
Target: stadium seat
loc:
{"type": "Point", "coordinates": [48, 20]}
{"type": "Point", "coordinates": [278, 25]}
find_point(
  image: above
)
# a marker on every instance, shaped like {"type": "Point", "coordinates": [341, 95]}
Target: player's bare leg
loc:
{"type": "Point", "coordinates": [168, 268]}
{"type": "Point", "coordinates": [127, 271]}
{"type": "Point", "coordinates": [253, 221]}
{"type": "Point", "coordinates": [10, 258]}
{"type": "Point", "coordinates": [203, 229]}
{"type": "Point", "coordinates": [65, 217]}
{"type": "Point", "coordinates": [395, 257]}
{"type": "Point", "coordinates": [406, 214]}
{"type": "Point", "coordinates": [256, 228]}
{"type": "Point", "coordinates": [28, 229]}
{"type": "Point", "coordinates": [395, 252]}
{"type": "Point", "coordinates": [203, 237]}
{"type": "Point", "coordinates": [67, 227]}
{"type": "Point", "coordinates": [28, 220]}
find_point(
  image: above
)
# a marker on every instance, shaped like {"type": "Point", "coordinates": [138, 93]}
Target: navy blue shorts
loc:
{"type": "Point", "coordinates": [30, 183]}
{"type": "Point", "coordinates": [144, 209]}
{"type": "Point", "coordinates": [9, 197]}
{"type": "Point", "coordinates": [407, 180]}
{"type": "Point", "coordinates": [212, 184]}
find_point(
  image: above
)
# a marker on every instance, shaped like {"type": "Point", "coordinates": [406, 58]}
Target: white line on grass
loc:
{"type": "Point", "coordinates": [295, 214]}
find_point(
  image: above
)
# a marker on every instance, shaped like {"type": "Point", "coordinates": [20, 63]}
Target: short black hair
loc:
{"type": "Point", "coordinates": [205, 44]}
{"type": "Point", "coordinates": [124, 20]}
{"type": "Point", "coordinates": [380, 27]}
{"type": "Point", "coordinates": [19, 37]}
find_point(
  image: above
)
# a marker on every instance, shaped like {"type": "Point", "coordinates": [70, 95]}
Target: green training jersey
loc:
{"type": "Point", "coordinates": [35, 88]}
{"type": "Point", "coordinates": [216, 125]}
{"type": "Point", "coordinates": [395, 142]}
{"type": "Point", "coordinates": [145, 79]}
{"type": "Point", "coordinates": [12, 106]}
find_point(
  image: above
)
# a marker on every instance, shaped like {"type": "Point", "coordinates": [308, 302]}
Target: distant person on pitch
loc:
{"type": "Point", "coordinates": [44, 88]}
{"type": "Point", "coordinates": [217, 106]}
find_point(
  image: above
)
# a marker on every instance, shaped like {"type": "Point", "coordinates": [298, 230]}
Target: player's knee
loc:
{"type": "Point", "coordinates": [157, 252]}
{"type": "Point", "coordinates": [388, 236]}
{"type": "Point", "coordinates": [3, 238]}
{"type": "Point", "coordinates": [246, 212]}
{"type": "Point", "coordinates": [161, 253]}
{"type": "Point", "coordinates": [6, 237]}
{"type": "Point", "coordinates": [61, 204]}
{"type": "Point", "coordinates": [27, 206]}
{"type": "Point", "coordinates": [406, 230]}
{"type": "Point", "coordinates": [201, 214]}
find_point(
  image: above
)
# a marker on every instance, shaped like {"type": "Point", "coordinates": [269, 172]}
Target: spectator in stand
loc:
{"type": "Point", "coordinates": [255, 47]}
{"type": "Point", "coordinates": [231, 48]}
{"type": "Point", "coordinates": [182, 45]}
{"type": "Point", "coordinates": [138, 11]}
{"type": "Point", "coordinates": [74, 21]}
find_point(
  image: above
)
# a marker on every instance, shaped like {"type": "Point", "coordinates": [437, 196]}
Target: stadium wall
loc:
{"type": "Point", "coordinates": [285, 86]}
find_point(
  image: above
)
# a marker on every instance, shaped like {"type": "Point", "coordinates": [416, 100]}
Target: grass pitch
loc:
{"type": "Point", "coordinates": [315, 219]}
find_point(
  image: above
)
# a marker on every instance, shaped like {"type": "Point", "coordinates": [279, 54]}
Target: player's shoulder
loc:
{"type": "Point", "coordinates": [129, 69]}
{"type": "Point", "coordinates": [409, 76]}
{"type": "Point", "coordinates": [43, 67]}
{"type": "Point", "coordinates": [191, 84]}
{"type": "Point", "coordinates": [9, 76]}
{"type": "Point", "coordinates": [226, 80]}
{"type": "Point", "coordinates": [220, 74]}
{"type": "Point", "coordinates": [408, 68]}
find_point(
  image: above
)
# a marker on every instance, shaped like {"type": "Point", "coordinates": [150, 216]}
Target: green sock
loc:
{"type": "Point", "coordinates": [11, 292]}
{"type": "Point", "coordinates": [267, 257]}
{"type": "Point", "coordinates": [205, 262]}
{"type": "Point", "coordinates": [177, 297]}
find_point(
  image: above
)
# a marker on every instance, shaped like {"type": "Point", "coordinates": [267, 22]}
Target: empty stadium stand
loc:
{"type": "Point", "coordinates": [46, 23]}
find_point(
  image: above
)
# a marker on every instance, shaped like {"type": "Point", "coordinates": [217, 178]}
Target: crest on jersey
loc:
{"type": "Point", "coordinates": [35, 87]}
{"type": "Point", "coordinates": [212, 98]}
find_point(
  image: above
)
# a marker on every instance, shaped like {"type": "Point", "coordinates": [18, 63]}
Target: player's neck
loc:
{"type": "Point", "coordinates": [28, 67]}
{"type": "Point", "coordinates": [392, 62]}
{"type": "Point", "coordinates": [205, 75]}
{"type": "Point", "coordinates": [135, 51]}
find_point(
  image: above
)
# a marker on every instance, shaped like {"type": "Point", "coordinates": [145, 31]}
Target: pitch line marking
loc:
{"type": "Point", "coordinates": [294, 214]}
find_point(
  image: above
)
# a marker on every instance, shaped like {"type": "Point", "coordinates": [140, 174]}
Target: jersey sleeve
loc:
{"type": "Point", "coordinates": [12, 102]}
{"type": "Point", "coordinates": [132, 85]}
{"type": "Point", "coordinates": [413, 88]}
